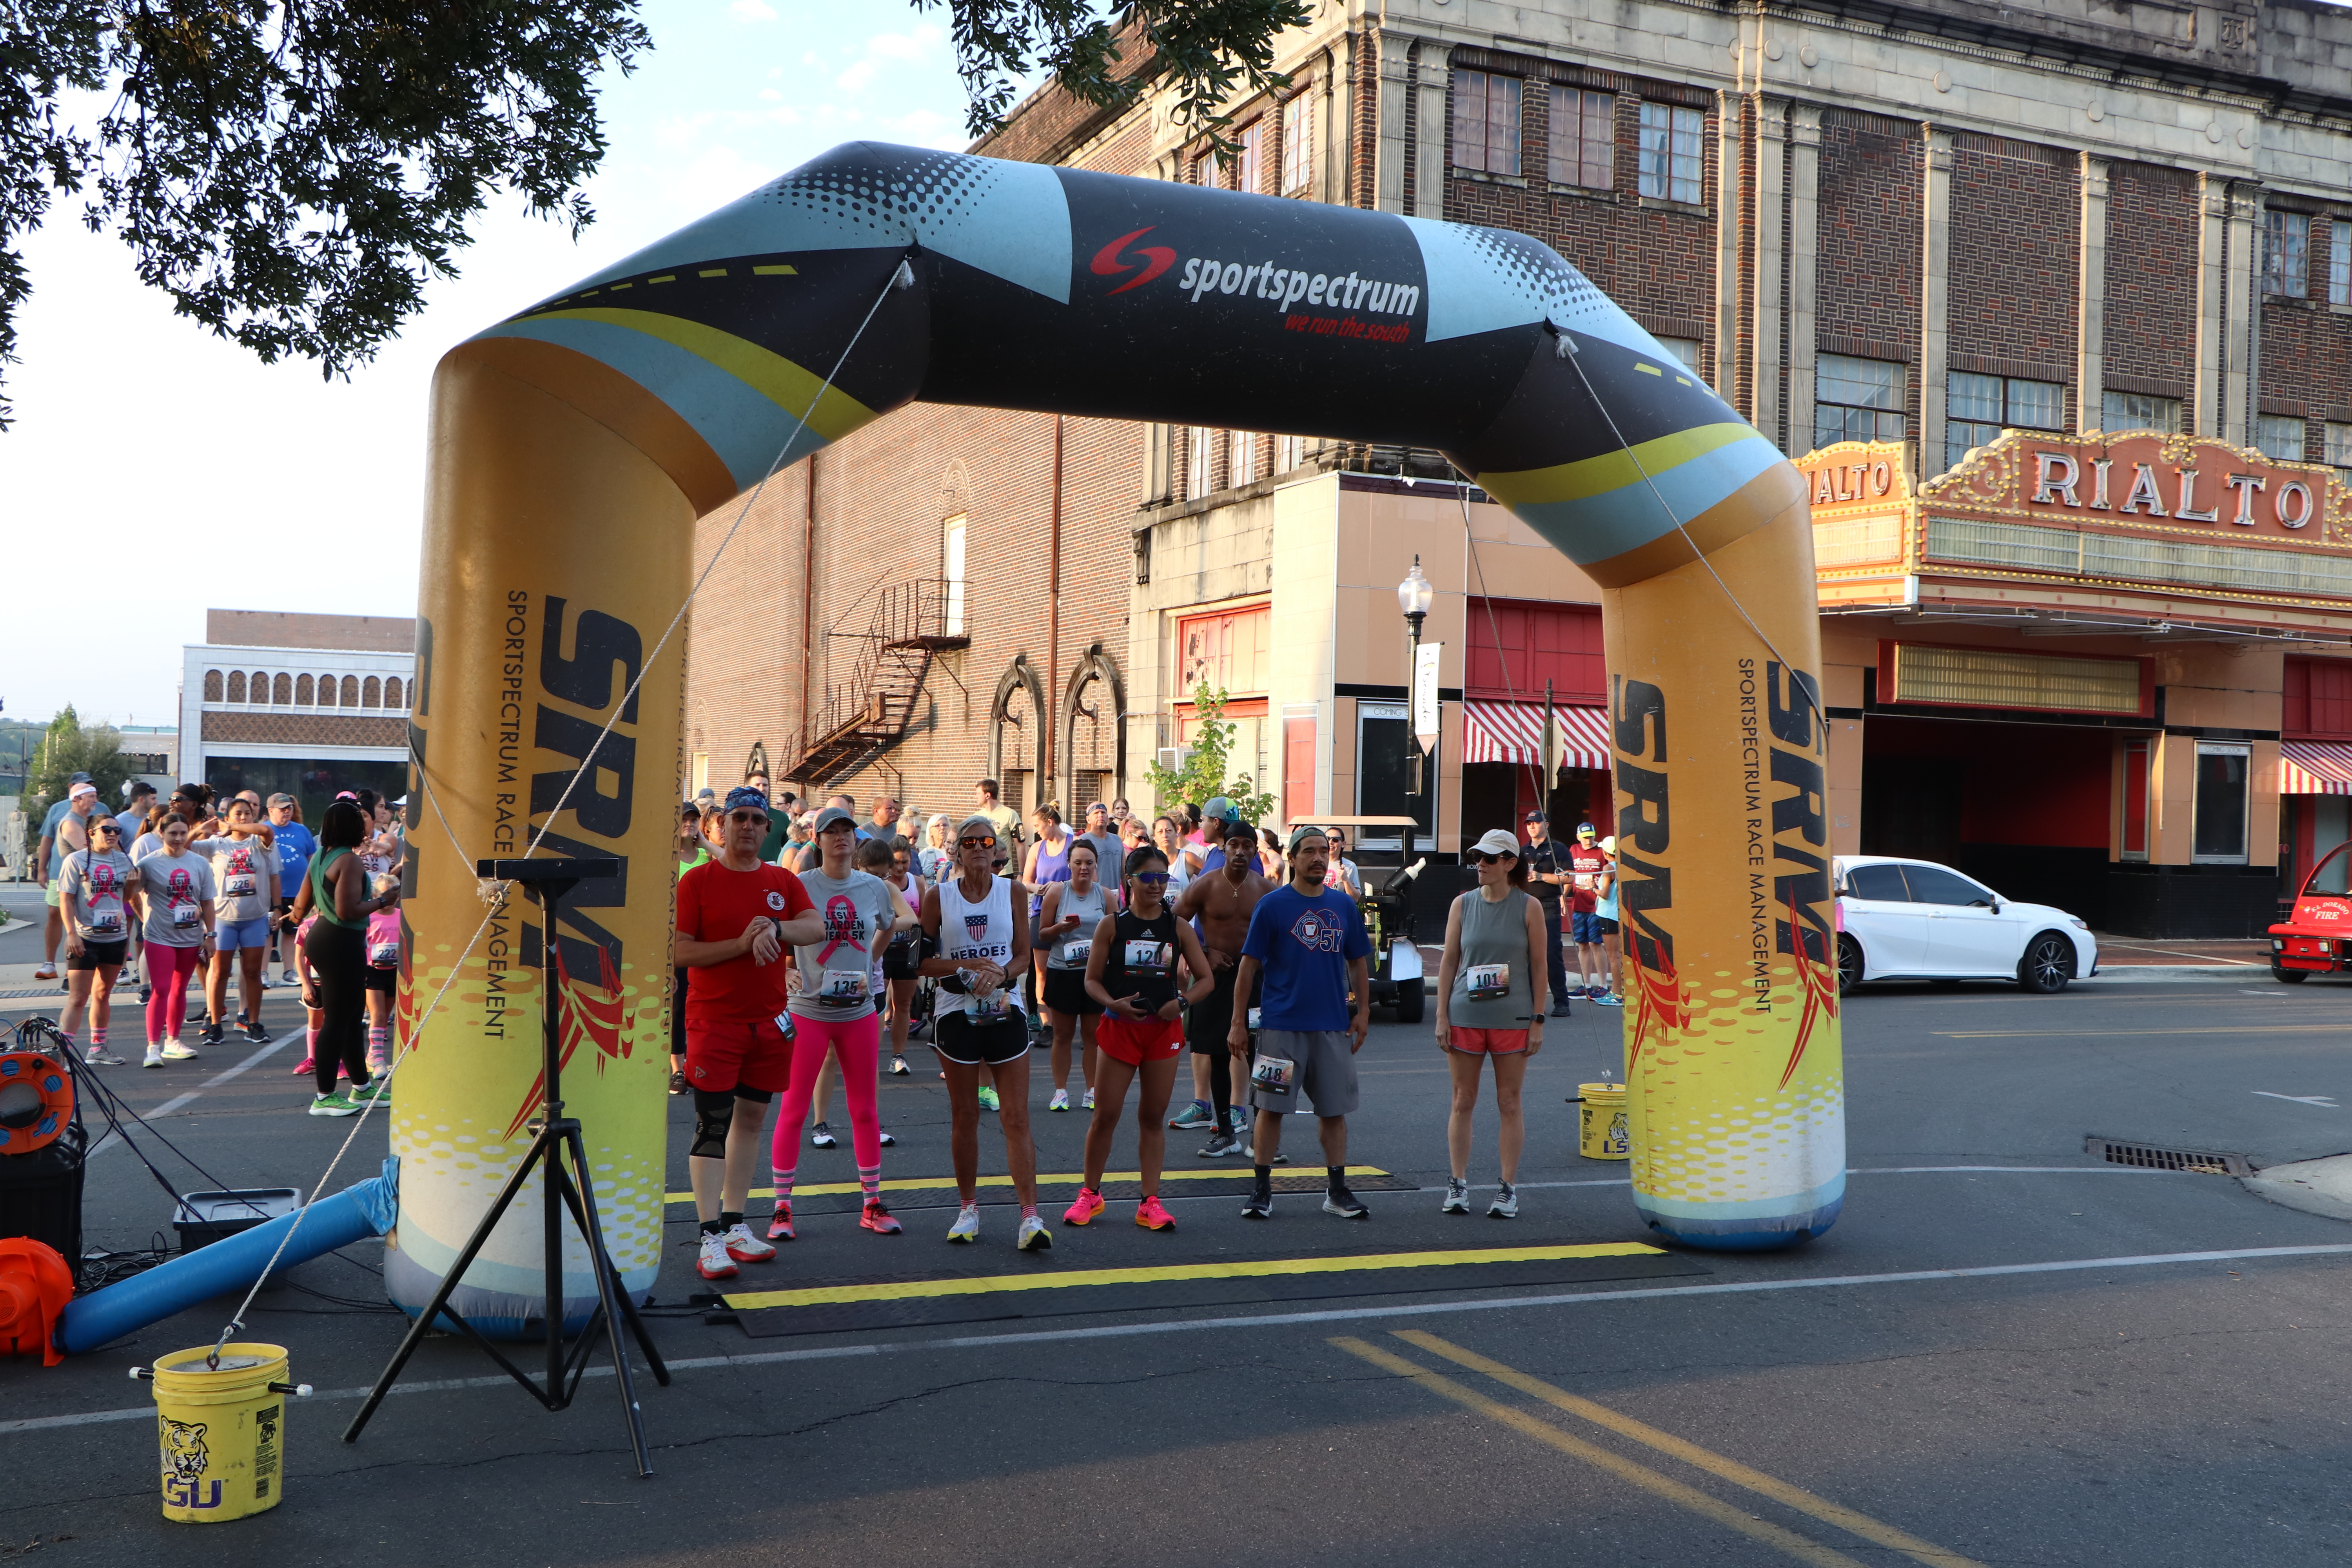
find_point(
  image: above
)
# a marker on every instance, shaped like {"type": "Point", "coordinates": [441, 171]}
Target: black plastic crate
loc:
{"type": "Point", "coordinates": [206, 1217]}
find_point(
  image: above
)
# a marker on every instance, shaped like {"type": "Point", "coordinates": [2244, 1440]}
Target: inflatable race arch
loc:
{"type": "Point", "coordinates": [574, 445]}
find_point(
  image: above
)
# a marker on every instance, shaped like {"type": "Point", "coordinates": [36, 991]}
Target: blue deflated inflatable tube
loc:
{"type": "Point", "coordinates": [352, 1215]}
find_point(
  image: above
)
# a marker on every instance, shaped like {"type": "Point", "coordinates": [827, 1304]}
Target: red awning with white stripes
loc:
{"type": "Point", "coordinates": [1513, 733]}
{"type": "Point", "coordinates": [2315, 767]}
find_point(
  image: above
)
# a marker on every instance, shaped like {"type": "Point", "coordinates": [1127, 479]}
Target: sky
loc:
{"type": "Point", "coordinates": [216, 481]}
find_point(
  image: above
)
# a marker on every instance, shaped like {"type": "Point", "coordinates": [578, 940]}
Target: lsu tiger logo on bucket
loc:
{"type": "Point", "coordinates": [183, 1449]}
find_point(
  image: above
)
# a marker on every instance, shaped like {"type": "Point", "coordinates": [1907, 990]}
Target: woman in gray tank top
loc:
{"type": "Point", "coordinates": [1065, 925]}
{"type": "Point", "coordinates": [1490, 991]}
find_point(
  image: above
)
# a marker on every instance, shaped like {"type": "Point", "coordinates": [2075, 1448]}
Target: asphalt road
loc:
{"type": "Point", "coordinates": [1999, 1355]}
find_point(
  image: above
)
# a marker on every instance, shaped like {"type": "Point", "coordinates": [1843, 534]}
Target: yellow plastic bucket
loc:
{"type": "Point", "coordinates": [222, 1431]}
{"type": "Point", "coordinates": [1600, 1121]}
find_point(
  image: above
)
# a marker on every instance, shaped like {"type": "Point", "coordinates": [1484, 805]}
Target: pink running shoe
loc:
{"type": "Point", "coordinates": [878, 1219]}
{"type": "Point", "coordinates": [1089, 1204]}
{"type": "Point", "coordinates": [1151, 1215]}
{"type": "Point", "coordinates": [780, 1226]}
{"type": "Point", "coordinates": [305, 1066]}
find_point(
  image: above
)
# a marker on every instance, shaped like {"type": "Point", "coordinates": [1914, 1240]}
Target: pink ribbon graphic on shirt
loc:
{"type": "Point", "coordinates": [840, 921]}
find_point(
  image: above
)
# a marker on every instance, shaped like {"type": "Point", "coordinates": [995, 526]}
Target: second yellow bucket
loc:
{"type": "Point", "coordinates": [1600, 1121]}
{"type": "Point", "coordinates": [222, 1431]}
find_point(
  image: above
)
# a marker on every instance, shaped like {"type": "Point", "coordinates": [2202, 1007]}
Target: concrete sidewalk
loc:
{"type": "Point", "coordinates": [2132, 952]}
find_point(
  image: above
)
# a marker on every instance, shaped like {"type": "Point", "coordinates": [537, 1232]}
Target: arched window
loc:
{"type": "Point", "coordinates": [326, 692]}
{"type": "Point", "coordinates": [302, 691]}
{"type": "Point", "coordinates": [281, 690]}
{"type": "Point", "coordinates": [351, 692]}
{"type": "Point", "coordinates": [212, 686]}
{"type": "Point", "coordinates": [1015, 722]}
{"type": "Point", "coordinates": [372, 693]}
{"type": "Point", "coordinates": [391, 693]}
{"type": "Point", "coordinates": [1092, 763]}
{"type": "Point", "coordinates": [237, 686]}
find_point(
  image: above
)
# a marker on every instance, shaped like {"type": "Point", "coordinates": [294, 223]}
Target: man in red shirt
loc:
{"type": "Point", "coordinates": [738, 919]}
{"type": "Point", "coordinates": [1586, 862]}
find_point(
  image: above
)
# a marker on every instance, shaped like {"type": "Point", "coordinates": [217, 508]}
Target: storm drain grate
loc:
{"type": "Point", "coordinates": [2148, 1157]}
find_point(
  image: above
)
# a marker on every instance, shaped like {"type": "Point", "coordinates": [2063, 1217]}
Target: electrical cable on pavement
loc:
{"type": "Point", "coordinates": [902, 276]}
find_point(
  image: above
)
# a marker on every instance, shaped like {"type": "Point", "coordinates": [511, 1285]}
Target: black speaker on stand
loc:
{"type": "Point", "coordinates": [43, 1144]}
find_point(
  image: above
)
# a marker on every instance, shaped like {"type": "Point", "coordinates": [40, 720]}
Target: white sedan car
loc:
{"type": "Point", "coordinates": [1914, 920]}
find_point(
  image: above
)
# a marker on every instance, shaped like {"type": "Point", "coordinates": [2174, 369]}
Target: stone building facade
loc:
{"type": "Point", "coordinates": [1911, 224]}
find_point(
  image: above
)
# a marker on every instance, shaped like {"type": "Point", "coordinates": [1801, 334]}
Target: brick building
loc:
{"type": "Point", "coordinates": [1921, 225]}
{"type": "Point", "coordinates": [305, 703]}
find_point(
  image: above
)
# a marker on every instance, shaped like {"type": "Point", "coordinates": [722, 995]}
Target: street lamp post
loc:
{"type": "Point", "coordinates": [1414, 597]}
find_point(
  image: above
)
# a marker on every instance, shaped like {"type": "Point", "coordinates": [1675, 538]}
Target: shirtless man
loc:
{"type": "Point", "coordinates": [1222, 901]}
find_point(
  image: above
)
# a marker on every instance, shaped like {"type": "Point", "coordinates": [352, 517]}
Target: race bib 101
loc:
{"type": "Point", "coordinates": [1488, 982]}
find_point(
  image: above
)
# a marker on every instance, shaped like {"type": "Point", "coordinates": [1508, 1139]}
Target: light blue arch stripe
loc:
{"type": "Point", "coordinates": [742, 426]}
{"type": "Point", "coordinates": [1594, 528]}
{"type": "Point", "coordinates": [1487, 281]}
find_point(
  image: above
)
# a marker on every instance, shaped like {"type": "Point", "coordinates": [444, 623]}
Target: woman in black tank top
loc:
{"type": "Point", "coordinates": [1132, 971]}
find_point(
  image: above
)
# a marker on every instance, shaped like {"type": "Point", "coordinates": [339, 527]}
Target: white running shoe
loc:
{"type": "Point", "coordinates": [99, 1056]}
{"type": "Point", "coordinates": [1457, 1197]}
{"type": "Point", "coordinates": [173, 1051]}
{"type": "Point", "coordinates": [821, 1136]}
{"type": "Point", "coordinates": [269, 983]}
{"type": "Point", "coordinates": [713, 1262]}
{"type": "Point", "coordinates": [287, 977]}
{"type": "Point", "coordinates": [1061, 1100]}
{"type": "Point", "coordinates": [1034, 1237]}
{"type": "Point", "coordinates": [1090, 1099]}
{"type": "Point", "coordinates": [967, 1223]}
{"type": "Point", "coordinates": [154, 1056]}
{"type": "Point", "coordinates": [1505, 1205]}
{"type": "Point", "coordinates": [745, 1247]}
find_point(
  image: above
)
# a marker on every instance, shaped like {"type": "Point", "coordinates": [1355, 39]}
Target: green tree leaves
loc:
{"type": "Point", "coordinates": [1204, 777]}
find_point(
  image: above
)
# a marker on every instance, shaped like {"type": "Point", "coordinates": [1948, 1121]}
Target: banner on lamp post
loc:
{"type": "Point", "coordinates": [1424, 693]}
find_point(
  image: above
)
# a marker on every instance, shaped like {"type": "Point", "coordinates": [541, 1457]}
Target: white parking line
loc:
{"type": "Point", "coordinates": [169, 1106]}
{"type": "Point", "coordinates": [1279, 1320]}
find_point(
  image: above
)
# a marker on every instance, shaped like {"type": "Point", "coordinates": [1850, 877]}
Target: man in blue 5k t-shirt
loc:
{"type": "Point", "coordinates": [1307, 951]}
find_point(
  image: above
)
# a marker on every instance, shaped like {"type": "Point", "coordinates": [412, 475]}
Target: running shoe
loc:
{"type": "Point", "coordinates": [898, 1067]}
{"type": "Point", "coordinates": [884, 1134]}
{"type": "Point", "coordinates": [99, 1056]}
{"type": "Point", "coordinates": [1220, 1145]}
{"type": "Point", "coordinates": [1609, 999]}
{"type": "Point", "coordinates": [1034, 1237]}
{"type": "Point", "coordinates": [1559, 1010]}
{"type": "Point", "coordinates": [333, 1105]}
{"type": "Point", "coordinates": [780, 1223]}
{"type": "Point", "coordinates": [375, 1062]}
{"type": "Point", "coordinates": [1505, 1205]}
{"type": "Point", "coordinates": [368, 1093]}
{"type": "Point", "coordinates": [1061, 1100]}
{"type": "Point", "coordinates": [1196, 1114]}
{"type": "Point", "coordinates": [1340, 1201]}
{"type": "Point", "coordinates": [1089, 1204]}
{"type": "Point", "coordinates": [308, 1063]}
{"type": "Point", "coordinates": [967, 1223]}
{"type": "Point", "coordinates": [744, 1247]}
{"type": "Point", "coordinates": [878, 1219]}
{"type": "Point", "coordinates": [821, 1136]}
{"type": "Point", "coordinates": [1260, 1204]}
{"type": "Point", "coordinates": [154, 1056]}
{"type": "Point", "coordinates": [713, 1262]}
{"type": "Point", "coordinates": [987, 1097]}
{"type": "Point", "coordinates": [256, 1033]}
{"type": "Point", "coordinates": [1090, 1099]}
{"type": "Point", "coordinates": [144, 992]}
{"type": "Point", "coordinates": [47, 971]}
{"type": "Point", "coordinates": [678, 1080]}
{"type": "Point", "coordinates": [212, 1034]}
{"type": "Point", "coordinates": [269, 981]}
{"type": "Point", "coordinates": [1151, 1216]}
{"type": "Point", "coordinates": [1457, 1197]}
{"type": "Point", "coordinates": [173, 1051]}
{"type": "Point", "coordinates": [287, 976]}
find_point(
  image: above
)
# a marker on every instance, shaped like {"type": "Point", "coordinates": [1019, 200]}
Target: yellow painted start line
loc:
{"type": "Point", "coordinates": [906, 1289]}
{"type": "Point", "coordinates": [1067, 1179]}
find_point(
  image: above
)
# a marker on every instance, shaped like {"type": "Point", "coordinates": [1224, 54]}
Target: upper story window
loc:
{"type": "Point", "coordinates": [2133, 411]}
{"type": "Point", "coordinates": [2286, 253]}
{"type": "Point", "coordinates": [1583, 138]}
{"type": "Point", "coordinates": [2279, 437]}
{"type": "Point", "coordinates": [2339, 263]}
{"type": "Point", "coordinates": [1249, 163]}
{"type": "Point", "coordinates": [1674, 151]}
{"type": "Point", "coordinates": [2339, 453]}
{"type": "Point", "coordinates": [1514, 646]}
{"type": "Point", "coordinates": [951, 569]}
{"type": "Point", "coordinates": [1486, 122]}
{"type": "Point", "coordinates": [1977, 408]}
{"type": "Point", "coordinates": [1297, 145]}
{"type": "Point", "coordinates": [1226, 649]}
{"type": "Point", "coordinates": [1685, 350]}
{"type": "Point", "coordinates": [1196, 463]}
{"type": "Point", "coordinates": [1858, 399]}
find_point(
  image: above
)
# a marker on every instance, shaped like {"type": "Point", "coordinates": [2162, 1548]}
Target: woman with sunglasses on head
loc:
{"type": "Point", "coordinates": [1066, 928]}
{"type": "Point", "coordinates": [982, 941]}
{"type": "Point", "coordinates": [93, 894]}
{"type": "Point", "coordinates": [1131, 975]}
{"type": "Point", "coordinates": [1491, 996]}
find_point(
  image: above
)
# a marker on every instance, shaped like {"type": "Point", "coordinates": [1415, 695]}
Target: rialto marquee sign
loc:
{"type": "Point", "coordinates": [2172, 476]}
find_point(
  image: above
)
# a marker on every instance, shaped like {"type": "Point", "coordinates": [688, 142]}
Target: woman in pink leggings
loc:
{"type": "Point", "coordinates": [175, 892]}
{"type": "Point", "coordinates": [834, 1014]}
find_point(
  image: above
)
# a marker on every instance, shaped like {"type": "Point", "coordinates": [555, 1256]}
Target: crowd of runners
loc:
{"type": "Point", "coordinates": [1121, 947]}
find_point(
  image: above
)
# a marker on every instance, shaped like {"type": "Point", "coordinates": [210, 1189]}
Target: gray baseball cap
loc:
{"type": "Point", "coordinates": [833, 817]}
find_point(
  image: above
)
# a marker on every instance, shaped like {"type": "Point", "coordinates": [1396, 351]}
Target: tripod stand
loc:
{"type": "Point", "coordinates": [558, 1136]}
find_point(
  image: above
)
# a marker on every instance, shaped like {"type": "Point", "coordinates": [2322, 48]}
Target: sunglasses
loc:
{"type": "Point", "coordinates": [754, 818]}
{"type": "Point", "coordinates": [1151, 878]}
{"type": "Point", "coordinates": [974, 843]}
{"type": "Point", "coordinates": [105, 827]}
{"type": "Point", "coordinates": [1484, 858]}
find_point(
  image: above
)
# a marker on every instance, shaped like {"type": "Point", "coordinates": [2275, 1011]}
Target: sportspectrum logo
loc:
{"type": "Point", "coordinates": [1285, 287]}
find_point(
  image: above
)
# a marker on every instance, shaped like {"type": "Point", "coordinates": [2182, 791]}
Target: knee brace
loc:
{"type": "Point", "coordinates": [714, 1114]}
